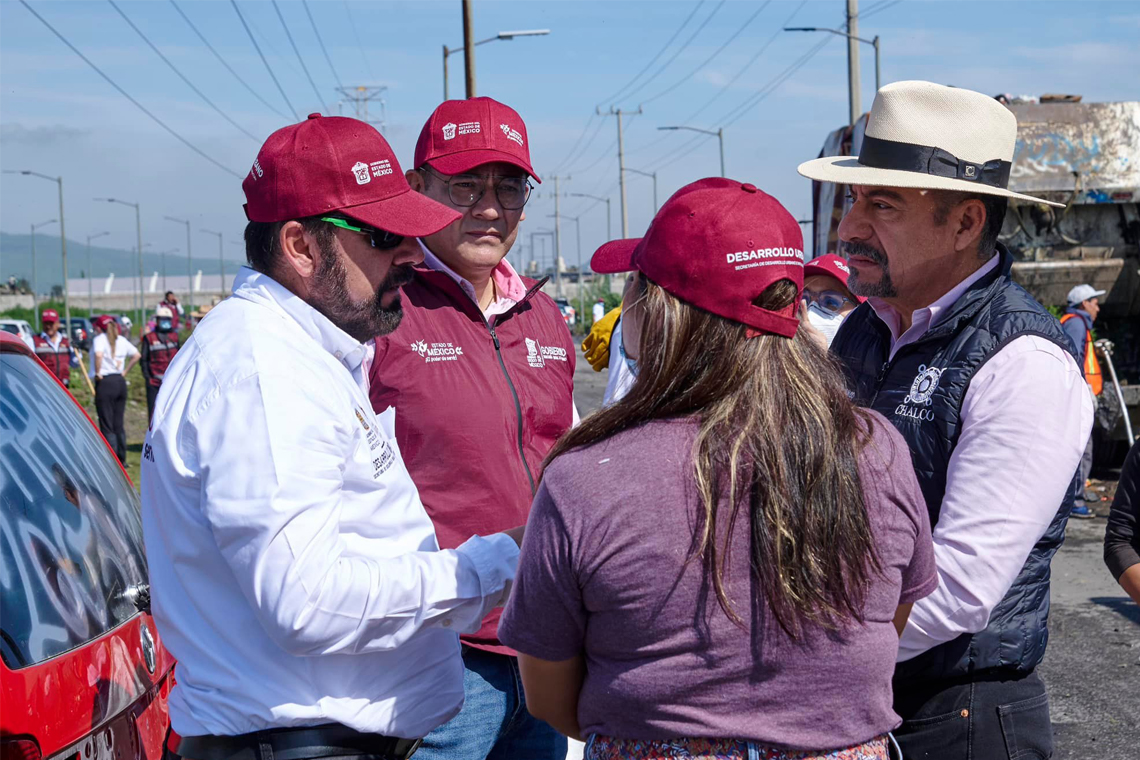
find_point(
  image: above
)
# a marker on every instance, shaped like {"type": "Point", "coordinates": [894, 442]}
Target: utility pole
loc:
{"type": "Point", "coordinates": [853, 60]}
{"type": "Point", "coordinates": [189, 265]}
{"type": "Point", "coordinates": [221, 264]}
{"type": "Point", "coordinates": [35, 288]}
{"type": "Point", "coordinates": [91, 275]}
{"type": "Point", "coordinates": [557, 237]}
{"type": "Point", "coordinates": [653, 175]}
{"type": "Point", "coordinates": [360, 97]}
{"type": "Point", "coordinates": [621, 163]}
{"type": "Point", "coordinates": [468, 49]}
{"type": "Point", "coordinates": [138, 231]}
{"type": "Point", "coordinates": [62, 242]}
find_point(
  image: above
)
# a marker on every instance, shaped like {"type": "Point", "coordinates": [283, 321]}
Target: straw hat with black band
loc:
{"type": "Point", "coordinates": [929, 136]}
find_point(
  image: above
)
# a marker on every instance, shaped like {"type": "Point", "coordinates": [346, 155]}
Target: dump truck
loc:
{"type": "Point", "coordinates": [1086, 156]}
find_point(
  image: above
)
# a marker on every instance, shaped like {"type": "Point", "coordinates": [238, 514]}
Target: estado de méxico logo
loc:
{"type": "Point", "coordinates": [437, 352]}
{"type": "Point", "coordinates": [537, 355]}
{"type": "Point", "coordinates": [917, 402]}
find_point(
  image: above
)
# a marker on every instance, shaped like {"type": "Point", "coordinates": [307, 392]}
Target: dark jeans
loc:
{"type": "Point", "coordinates": [151, 395]}
{"type": "Point", "coordinates": [494, 723]}
{"type": "Point", "coordinates": [111, 404]}
{"type": "Point", "coordinates": [978, 720]}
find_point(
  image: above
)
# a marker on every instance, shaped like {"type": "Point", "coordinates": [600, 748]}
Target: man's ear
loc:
{"type": "Point", "coordinates": [415, 179]}
{"type": "Point", "coordinates": [969, 220]}
{"type": "Point", "coordinates": [299, 251]}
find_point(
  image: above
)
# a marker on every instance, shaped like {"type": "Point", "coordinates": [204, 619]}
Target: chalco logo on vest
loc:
{"type": "Point", "coordinates": [916, 404]}
{"type": "Point", "coordinates": [537, 355]}
{"type": "Point", "coordinates": [437, 352]}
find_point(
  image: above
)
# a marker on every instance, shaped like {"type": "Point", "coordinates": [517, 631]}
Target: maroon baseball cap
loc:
{"type": "Point", "coordinates": [832, 266]}
{"type": "Point", "coordinates": [49, 315]}
{"type": "Point", "coordinates": [718, 244]}
{"type": "Point", "coordinates": [334, 163]}
{"type": "Point", "coordinates": [463, 134]}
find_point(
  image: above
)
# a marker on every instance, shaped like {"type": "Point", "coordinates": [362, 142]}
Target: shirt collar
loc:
{"type": "Point", "coordinates": [260, 288]}
{"type": "Point", "coordinates": [932, 314]}
{"type": "Point", "coordinates": [508, 284]}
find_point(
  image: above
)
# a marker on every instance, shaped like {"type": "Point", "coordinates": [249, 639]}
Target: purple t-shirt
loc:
{"type": "Point", "coordinates": [603, 575]}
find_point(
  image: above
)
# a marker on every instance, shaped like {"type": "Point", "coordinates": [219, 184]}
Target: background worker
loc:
{"type": "Point", "coordinates": [826, 296]}
{"type": "Point", "coordinates": [480, 372]}
{"type": "Point", "coordinates": [170, 301]}
{"type": "Point", "coordinates": [158, 349]}
{"type": "Point", "coordinates": [295, 575]}
{"type": "Point", "coordinates": [114, 356]}
{"type": "Point", "coordinates": [54, 349]}
{"type": "Point", "coordinates": [1077, 322]}
{"type": "Point", "coordinates": [1122, 536]}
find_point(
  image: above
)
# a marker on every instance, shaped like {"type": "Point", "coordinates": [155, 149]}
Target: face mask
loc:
{"type": "Point", "coordinates": [828, 324]}
{"type": "Point", "coordinates": [631, 364]}
{"type": "Point", "coordinates": [165, 325]}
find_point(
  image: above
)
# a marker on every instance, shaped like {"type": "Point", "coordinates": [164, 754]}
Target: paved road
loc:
{"type": "Point", "coordinates": [1092, 668]}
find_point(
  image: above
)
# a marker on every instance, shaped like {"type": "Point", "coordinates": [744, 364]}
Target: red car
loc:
{"type": "Point", "coordinates": [84, 675]}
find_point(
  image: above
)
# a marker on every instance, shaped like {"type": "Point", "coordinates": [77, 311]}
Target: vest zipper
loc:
{"type": "Point", "coordinates": [518, 404]}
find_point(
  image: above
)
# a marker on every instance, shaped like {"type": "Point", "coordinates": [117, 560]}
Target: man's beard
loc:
{"type": "Point", "coordinates": [884, 288]}
{"type": "Point", "coordinates": [363, 320]}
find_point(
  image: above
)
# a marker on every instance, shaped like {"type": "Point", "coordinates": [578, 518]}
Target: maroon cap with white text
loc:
{"type": "Point", "coordinates": [718, 244]}
{"type": "Point", "coordinates": [329, 164]}
{"type": "Point", "coordinates": [463, 134]}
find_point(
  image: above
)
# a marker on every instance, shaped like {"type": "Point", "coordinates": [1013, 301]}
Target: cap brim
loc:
{"type": "Point", "coordinates": [846, 170]}
{"type": "Point", "coordinates": [458, 163]}
{"type": "Point", "coordinates": [615, 256]}
{"type": "Point", "coordinates": [409, 213]}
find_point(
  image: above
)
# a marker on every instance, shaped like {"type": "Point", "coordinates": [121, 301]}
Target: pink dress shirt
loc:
{"type": "Point", "coordinates": [1025, 420]}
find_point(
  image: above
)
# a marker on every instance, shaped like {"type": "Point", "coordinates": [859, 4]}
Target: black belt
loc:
{"type": "Point", "coordinates": [332, 740]}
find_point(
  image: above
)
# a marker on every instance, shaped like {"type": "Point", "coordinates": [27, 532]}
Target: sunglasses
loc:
{"type": "Point", "coordinates": [828, 300]}
{"type": "Point", "coordinates": [467, 189]}
{"type": "Point", "coordinates": [381, 240]}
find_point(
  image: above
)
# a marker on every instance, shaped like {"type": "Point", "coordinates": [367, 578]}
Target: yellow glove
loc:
{"type": "Point", "coordinates": [596, 346]}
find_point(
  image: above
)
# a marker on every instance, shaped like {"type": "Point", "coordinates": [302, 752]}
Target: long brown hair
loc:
{"type": "Point", "coordinates": [112, 330]}
{"type": "Point", "coordinates": [778, 434]}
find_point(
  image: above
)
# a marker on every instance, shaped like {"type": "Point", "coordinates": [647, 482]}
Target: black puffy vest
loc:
{"type": "Point", "coordinates": [921, 391]}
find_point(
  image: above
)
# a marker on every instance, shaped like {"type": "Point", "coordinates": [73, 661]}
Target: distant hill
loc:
{"type": "Point", "coordinates": [16, 259]}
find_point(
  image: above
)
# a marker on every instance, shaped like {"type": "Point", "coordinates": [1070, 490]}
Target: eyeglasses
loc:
{"type": "Point", "coordinates": [466, 189]}
{"type": "Point", "coordinates": [828, 300]}
{"type": "Point", "coordinates": [381, 240]}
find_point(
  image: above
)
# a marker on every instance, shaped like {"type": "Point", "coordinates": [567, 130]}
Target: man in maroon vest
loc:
{"type": "Point", "coordinates": [54, 349]}
{"type": "Point", "coordinates": [158, 347]}
{"type": "Point", "coordinates": [480, 372]}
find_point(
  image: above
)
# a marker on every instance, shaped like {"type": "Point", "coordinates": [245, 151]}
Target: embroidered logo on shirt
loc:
{"type": "Point", "coordinates": [537, 355]}
{"type": "Point", "coordinates": [437, 352]}
{"type": "Point", "coordinates": [921, 391]}
{"type": "Point", "coordinates": [360, 171]}
{"type": "Point", "coordinates": [449, 130]}
{"type": "Point", "coordinates": [512, 134]}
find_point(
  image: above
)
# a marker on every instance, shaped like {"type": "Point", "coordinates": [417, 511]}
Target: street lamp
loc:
{"type": "Point", "coordinates": [189, 264]}
{"type": "Point", "coordinates": [500, 36]}
{"type": "Point", "coordinates": [62, 240]}
{"type": "Point", "coordinates": [719, 133]}
{"type": "Point", "coordinates": [35, 289]}
{"type": "Point", "coordinates": [609, 234]}
{"type": "Point", "coordinates": [873, 42]}
{"type": "Point", "coordinates": [539, 232]}
{"type": "Point", "coordinates": [138, 232]}
{"type": "Point", "coordinates": [654, 176]}
{"type": "Point", "coordinates": [221, 264]}
{"type": "Point", "coordinates": [90, 275]}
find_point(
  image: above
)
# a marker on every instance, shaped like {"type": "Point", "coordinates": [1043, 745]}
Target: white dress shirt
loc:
{"type": "Point", "coordinates": [294, 572]}
{"type": "Point", "coordinates": [1025, 419]}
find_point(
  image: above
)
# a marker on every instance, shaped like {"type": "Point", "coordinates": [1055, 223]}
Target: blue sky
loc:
{"type": "Point", "coordinates": [57, 116]}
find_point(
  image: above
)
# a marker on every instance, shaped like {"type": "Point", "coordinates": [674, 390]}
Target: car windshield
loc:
{"type": "Point", "coordinates": [10, 328]}
{"type": "Point", "coordinates": [70, 533]}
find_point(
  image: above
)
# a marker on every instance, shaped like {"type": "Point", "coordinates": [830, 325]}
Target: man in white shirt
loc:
{"type": "Point", "coordinates": [295, 574]}
{"type": "Point", "coordinates": [981, 381]}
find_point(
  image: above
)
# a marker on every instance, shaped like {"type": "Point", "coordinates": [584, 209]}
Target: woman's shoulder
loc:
{"type": "Point", "coordinates": [885, 444]}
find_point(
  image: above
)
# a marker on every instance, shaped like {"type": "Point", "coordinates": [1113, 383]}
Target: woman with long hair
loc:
{"type": "Point", "coordinates": [719, 564]}
{"type": "Point", "coordinates": [114, 357]}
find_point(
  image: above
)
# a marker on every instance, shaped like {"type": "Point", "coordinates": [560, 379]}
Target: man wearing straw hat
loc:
{"type": "Point", "coordinates": [981, 382]}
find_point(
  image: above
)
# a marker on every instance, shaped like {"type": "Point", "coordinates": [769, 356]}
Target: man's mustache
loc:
{"type": "Point", "coordinates": [864, 250]}
{"type": "Point", "coordinates": [399, 276]}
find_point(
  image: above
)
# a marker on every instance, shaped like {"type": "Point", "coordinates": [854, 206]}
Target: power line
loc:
{"type": "Point", "coordinates": [736, 114]}
{"type": "Point", "coordinates": [320, 100]}
{"type": "Point", "coordinates": [586, 147]}
{"type": "Point", "coordinates": [656, 57]}
{"type": "Point", "coordinates": [181, 76]}
{"type": "Point", "coordinates": [222, 61]}
{"type": "Point", "coordinates": [363, 57]}
{"type": "Point", "coordinates": [878, 8]}
{"type": "Point", "coordinates": [126, 95]}
{"type": "Point", "coordinates": [709, 60]}
{"type": "Point", "coordinates": [577, 142]}
{"type": "Point", "coordinates": [680, 50]}
{"type": "Point", "coordinates": [262, 56]}
{"type": "Point", "coordinates": [317, 32]}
